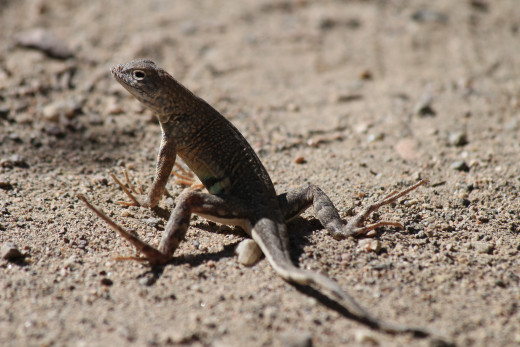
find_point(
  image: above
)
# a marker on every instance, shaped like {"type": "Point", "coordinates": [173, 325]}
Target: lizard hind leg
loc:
{"type": "Point", "coordinates": [296, 201]}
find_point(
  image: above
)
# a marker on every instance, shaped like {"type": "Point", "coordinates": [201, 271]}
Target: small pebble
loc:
{"type": "Point", "coordinates": [10, 252]}
{"type": "Point", "coordinates": [296, 338]}
{"type": "Point", "coordinates": [293, 107]}
{"type": "Point", "coordinates": [153, 221]}
{"type": "Point", "coordinates": [45, 41]}
{"type": "Point", "coordinates": [375, 137]}
{"type": "Point", "coordinates": [51, 113]}
{"type": "Point", "coordinates": [4, 112]}
{"type": "Point", "coordinates": [54, 130]}
{"type": "Point", "coordinates": [147, 280]}
{"type": "Point", "coordinates": [248, 252]}
{"type": "Point", "coordinates": [480, 5]}
{"type": "Point", "coordinates": [458, 139]}
{"type": "Point", "coordinates": [211, 264]}
{"type": "Point", "coordinates": [410, 202]}
{"type": "Point", "coordinates": [15, 137]}
{"type": "Point", "coordinates": [62, 108]}
{"type": "Point", "coordinates": [460, 166]}
{"type": "Point", "coordinates": [106, 281]}
{"type": "Point", "coordinates": [5, 184]}
{"type": "Point", "coordinates": [126, 213]}
{"type": "Point", "coordinates": [100, 179]}
{"type": "Point", "coordinates": [6, 163]}
{"type": "Point", "coordinates": [369, 245]}
{"type": "Point", "coordinates": [14, 160]}
{"type": "Point", "coordinates": [18, 161]}
{"type": "Point", "coordinates": [423, 108]}
{"type": "Point", "coordinates": [327, 23]}
{"type": "Point", "coordinates": [407, 149]}
{"type": "Point", "coordinates": [340, 98]}
{"type": "Point", "coordinates": [314, 142]}
{"type": "Point", "coordinates": [429, 16]}
{"type": "Point", "coordinates": [113, 107]}
{"type": "Point", "coordinates": [300, 160]}
{"type": "Point", "coordinates": [421, 235]}
{"type": "Point", "coordinates": [362, 127]}
{"type": "Point", "coordinates": [366, 75]}
{"type": "Point", "coordinates": [170, 202]}
{"type": "Point", "coordinates": [483, 218]}
{"type": "Point", "coordinates": [366, 337]}
{"type": "Point", "coordinates": [484, 247]}
{"type": "Point", "coordinates": [371, 233]}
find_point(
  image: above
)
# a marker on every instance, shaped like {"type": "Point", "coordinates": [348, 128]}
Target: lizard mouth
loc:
{"type": "Point", "coordinates": [116, 70]}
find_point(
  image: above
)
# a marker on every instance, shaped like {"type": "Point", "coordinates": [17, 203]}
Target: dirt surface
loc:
{"type": "Point", "coordinates": [358, 97]}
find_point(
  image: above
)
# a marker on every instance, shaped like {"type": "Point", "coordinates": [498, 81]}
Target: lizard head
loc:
{"type": "Point", "coordinates": [147, 82]}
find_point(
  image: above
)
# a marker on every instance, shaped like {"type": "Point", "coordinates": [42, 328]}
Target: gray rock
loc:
{"type": "Point", "coordinates": [45, 41]}
{"type": "Point", "coordinates": [9, 251]}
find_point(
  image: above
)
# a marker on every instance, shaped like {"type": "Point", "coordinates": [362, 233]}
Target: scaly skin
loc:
{"type": "Point", "coordinates": [241, 191]}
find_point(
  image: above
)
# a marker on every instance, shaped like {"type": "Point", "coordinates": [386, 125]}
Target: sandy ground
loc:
{"type": "Point", "coordinates": [358, 97]}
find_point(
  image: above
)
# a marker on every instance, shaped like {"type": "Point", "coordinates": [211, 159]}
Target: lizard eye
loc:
{"type": "Point", "coordinates": [139, 75]}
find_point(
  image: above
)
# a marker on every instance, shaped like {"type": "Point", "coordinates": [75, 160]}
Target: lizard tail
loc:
{"type": "Point", "coordinates": [278, 256]}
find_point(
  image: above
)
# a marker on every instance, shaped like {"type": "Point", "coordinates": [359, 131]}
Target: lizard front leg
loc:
{"type": "Point", "coordinates": [217, 208]}
{"type": "Point", "coordinates": [296, 201]}
{"type": "Point", "coordinates": [163, 169]}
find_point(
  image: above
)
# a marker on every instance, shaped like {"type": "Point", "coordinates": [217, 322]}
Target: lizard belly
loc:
{"type": "Point", "coordinates": [216, 181]}
{"type": "Point", "coordinates": [240, 222]}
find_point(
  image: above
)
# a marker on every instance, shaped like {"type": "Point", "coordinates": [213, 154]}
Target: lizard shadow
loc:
{"type": "Point", "coordinates": [342, 310]}
{"type": "Point", "coordinates": [300, 230]}
{"type": "Point", "coordinates": [300, 233]}
{"type": "Point", "coordinates": [163, 213]}
{"type": "Point", "coordinates": [305, 227]}
{"type": "Point", "coordinates": [298, 240]}
{"type": "Point", "coordinates": [154, 273]}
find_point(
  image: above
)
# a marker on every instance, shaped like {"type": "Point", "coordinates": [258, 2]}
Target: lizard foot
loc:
{"type": "Point", "coordinates": [355, 227]}
{"type": "Point", "coordinates": [152, 255]}
{"type": "Point", "coordinates": [186, 178]}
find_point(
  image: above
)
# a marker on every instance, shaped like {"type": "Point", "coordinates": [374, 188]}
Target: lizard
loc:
{"type": "Point", "coordinates": [241, 192]}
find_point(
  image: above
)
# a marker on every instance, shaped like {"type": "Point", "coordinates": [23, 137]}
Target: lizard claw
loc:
{"type": "Point", "coordinates": [185, 178]}
{"type": "Point", "coordinates": [129, 193]}
{"type": "Point", "coordinates": [355, 227]}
